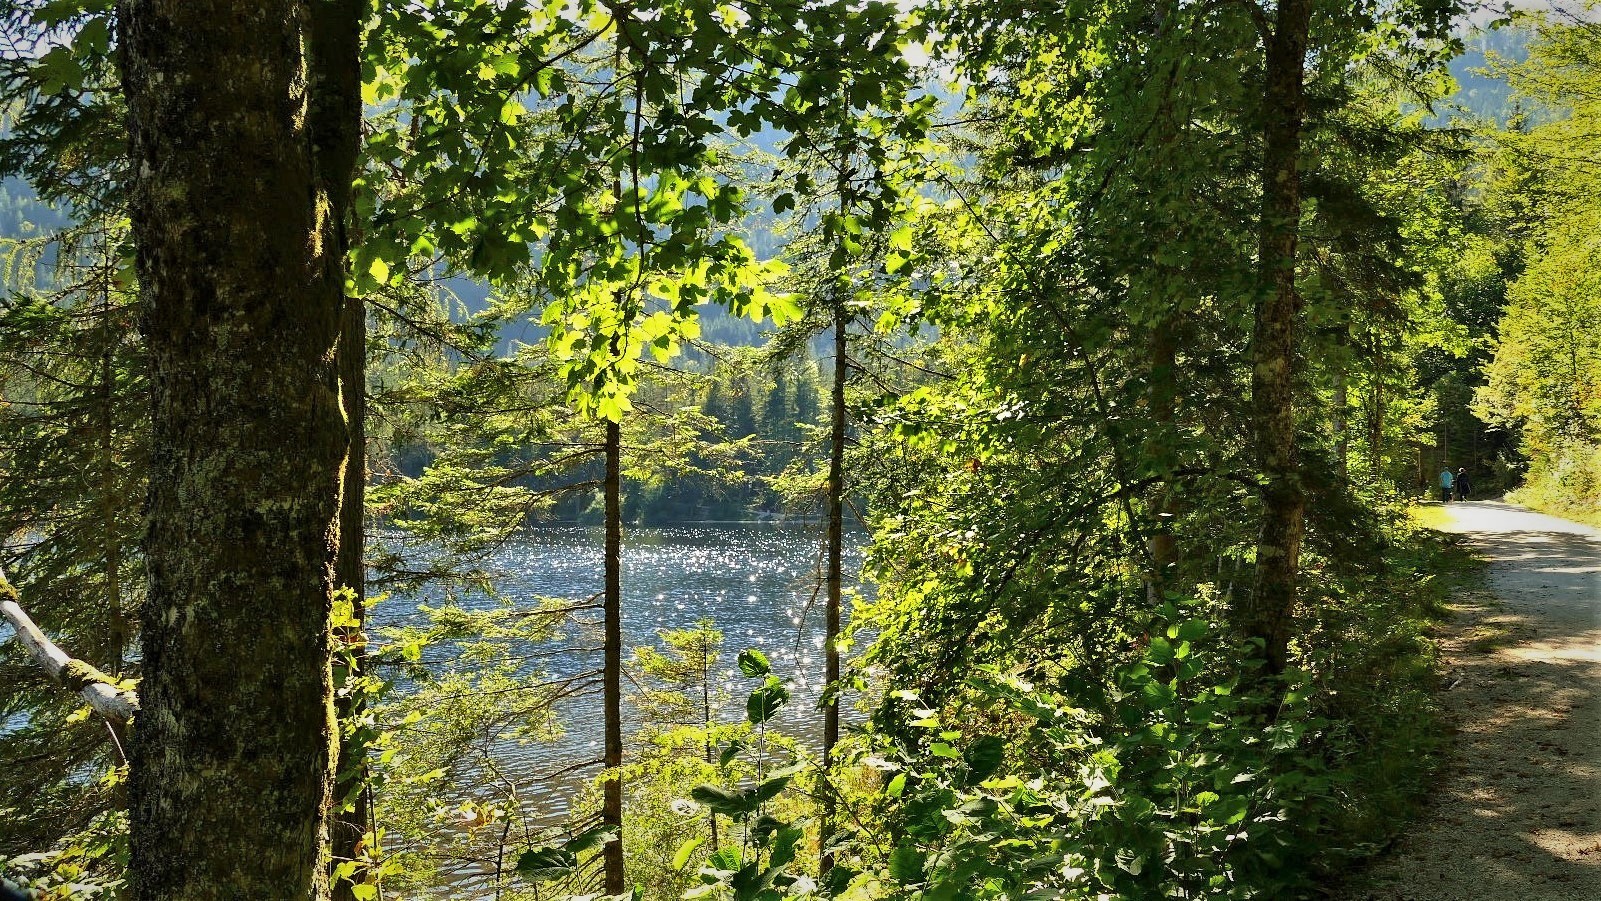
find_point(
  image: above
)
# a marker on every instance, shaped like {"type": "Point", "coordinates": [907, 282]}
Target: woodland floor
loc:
{"type": "Point", "coordinates": [1518, 815]}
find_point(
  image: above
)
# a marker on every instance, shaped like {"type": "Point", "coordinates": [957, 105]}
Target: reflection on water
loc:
{"type": "Point", "coordinates": [760, 584]}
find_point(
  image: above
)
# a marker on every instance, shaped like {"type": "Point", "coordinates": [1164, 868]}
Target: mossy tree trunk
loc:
{"type": "Point", "coordinates": [1267, 611]}
{"type": "Point", "coordinates": [240, 263]}
{"type": "Point", "coordinates": [335, 105]}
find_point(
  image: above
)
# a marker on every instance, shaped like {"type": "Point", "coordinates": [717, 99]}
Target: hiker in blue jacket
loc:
{"type": "Point", "coordinates": [1446, 483]}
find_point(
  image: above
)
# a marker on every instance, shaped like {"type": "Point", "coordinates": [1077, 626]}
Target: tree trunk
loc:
{"type": "Point", "coordinates": [351, 821]}
{"type": "Point", "coordinates": [612, 803]}
{"type": "Point", "coordinates": [335, 118]}
{"type": "Point", "coordinates": [1153, 285]}
{"type": "Point", "coordinates": [110, 501]}
{"type": "Point", "coordinates": [239, 262]}
{"type": "Point", "coordinates": [1342, 425]}
{"type": "Point", "coordinates": [835, 586]}
{"type": "Point", "coordinates": [1267, 611]}
{"type": "Point", "coordinates": [1162, 395]}
{"type": "Point", "coordinates": [706, 677]}
{"type": "Point", "coordinates": [1375, 416]}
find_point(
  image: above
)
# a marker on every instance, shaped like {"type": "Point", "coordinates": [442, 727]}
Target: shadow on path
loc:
{"type": "Point", "coordinates": [1519, 814]}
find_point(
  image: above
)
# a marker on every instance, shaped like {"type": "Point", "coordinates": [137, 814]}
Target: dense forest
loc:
{"type": "Point", "coordinates": [1088, 360]}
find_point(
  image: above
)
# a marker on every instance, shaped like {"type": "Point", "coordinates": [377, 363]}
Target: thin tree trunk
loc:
{"type": "Point", "coordinates": [612, 802]}
{"type": "Point", "coordinates": [1376, 425]}
{"type": "Point", "coordinates": [706, 677]}
{"type": "Point", "coordinates": [335, 107]}
{"type": "Point", "coordinates": [1153, 286]}
{"type": "Point", "coordinates": [611, 811]}
{"type": "Point", "coordinates": [835, 583]}
{"type": "Point", "coordinates": [110, 500]}
{"type": "Point", "coordinates": [1342, 426]}
{"type": "Point", "coordinates": [239, 263]}
{"type": "Point", "coordinates": [1162, 395]}
{"type": "Point", "coordinates": [1267, 611]}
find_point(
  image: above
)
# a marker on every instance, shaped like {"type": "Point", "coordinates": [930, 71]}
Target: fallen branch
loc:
{"type": "Point", "coordinates": [117, 705]}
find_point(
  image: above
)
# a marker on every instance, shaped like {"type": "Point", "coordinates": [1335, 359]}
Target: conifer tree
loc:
{"type": "Point", "coordinates": [1268, 607]}
{"type": "Point", "coordinates": [243, 274]}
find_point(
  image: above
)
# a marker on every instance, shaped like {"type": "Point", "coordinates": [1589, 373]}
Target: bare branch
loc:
{"type": "Point", "coordinates": [100, 690]}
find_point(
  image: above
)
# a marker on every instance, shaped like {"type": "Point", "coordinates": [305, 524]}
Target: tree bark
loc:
{"type": "Point", "coordinates": [612, 801]}
{"type": "Point", "coordinates": [240, 264]}
{"type": "Point", "coordinates": [351, 821]}
{"type": "Point", "coordinates": [1267, 611]}
{"type": "Point", "coordinates": [835, 584]}
{"type": "Point", "coordinates": [335, 108]}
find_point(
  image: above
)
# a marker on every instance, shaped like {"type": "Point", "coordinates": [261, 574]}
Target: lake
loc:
{"type": "Point", "coordinates": [760, 583]}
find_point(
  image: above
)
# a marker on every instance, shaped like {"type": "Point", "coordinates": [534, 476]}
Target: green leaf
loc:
{"type": "Point", "coordinates": [743, 802]}
{"type": "Point", "coordinates": [552, 862]}
{"type": "Point", "coordinates": [720, 800]}
{"type": "Point", "coordinates": [725, 859]}
{"type": "Point", "coordinates": [784, 847]}
{"type": "Point", "coordinates": [906, 862]}
{"type": "Point", "coordinates": [770, 788]}
{"type": "Point", "coordinates": [895, 786]}
{"type": "Point", "coordinates": [545, 864]}
{"type": "Point", "coordinates": [764, 702]}
{"type": "Point", "coordinates": [782, 308]}
{"type": "Point", "coordinates": [1227, 811]}
{"type": "Point", "coordinates": [681, 858]}
{"type": "Point", "coordinates": [753, 663]}
{"type": "Point", "coordinates": [590, 839]}
{"type": "Point", "coordinates": [1160, 651]}
{"type": "Point", "coordinates": [984, 757]}
{"type": "Point", "coordinates": [900, 240]}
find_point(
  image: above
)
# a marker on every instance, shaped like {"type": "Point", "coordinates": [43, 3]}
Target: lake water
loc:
{"type": "Point", "coordinates": [760, 583]}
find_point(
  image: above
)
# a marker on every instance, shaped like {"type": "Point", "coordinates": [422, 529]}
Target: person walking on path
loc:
{"type": "Point", "coordinates": [1446, 481]}
{"type": "Point", "coordinates": [1463, 486]}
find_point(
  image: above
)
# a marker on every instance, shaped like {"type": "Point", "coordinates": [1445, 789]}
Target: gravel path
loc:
{"type": "Point", "coordinates": [1519, 814]}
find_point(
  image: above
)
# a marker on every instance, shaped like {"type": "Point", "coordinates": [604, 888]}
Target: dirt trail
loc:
{"type": "Point", "coordinates": [1519, 814]}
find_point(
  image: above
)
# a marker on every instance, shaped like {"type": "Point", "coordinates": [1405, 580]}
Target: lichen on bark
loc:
{"type": "Point", "coordinates": [231, 763]}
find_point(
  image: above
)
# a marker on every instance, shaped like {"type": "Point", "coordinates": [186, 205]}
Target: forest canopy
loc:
{"type": "Point", "coordinates": [693, 449]}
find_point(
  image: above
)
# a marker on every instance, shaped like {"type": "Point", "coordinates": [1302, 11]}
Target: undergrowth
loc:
{"type": "Point", "coordinates": [1568, 484]}
{"type": "Point", "coordinates": [1381, 685]}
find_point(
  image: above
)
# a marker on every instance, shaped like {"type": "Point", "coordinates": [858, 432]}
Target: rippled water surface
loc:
{"type": "Point", "coordinates": [759, 583]}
